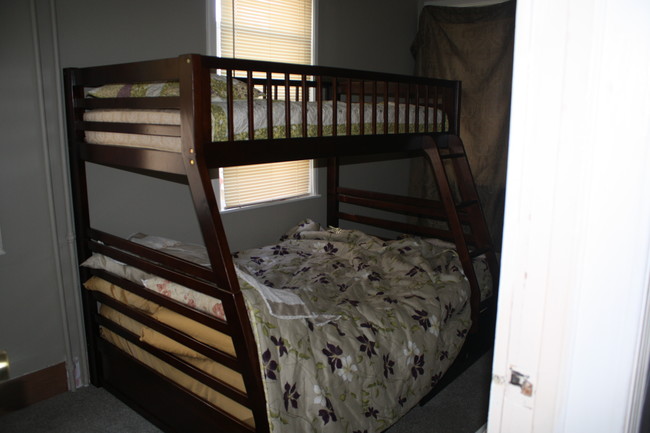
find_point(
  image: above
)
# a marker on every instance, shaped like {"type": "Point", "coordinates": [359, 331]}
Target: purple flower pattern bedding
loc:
{"type": "Point", "coordinates": [352, 331]}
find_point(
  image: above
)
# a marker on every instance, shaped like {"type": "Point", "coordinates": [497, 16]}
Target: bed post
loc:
{"type": "Point", "coordinates": [332, 192]}
{"type": "Point", "coordinates": [195, 133]}
{"type": "Point", "coordinates": [82, 216]}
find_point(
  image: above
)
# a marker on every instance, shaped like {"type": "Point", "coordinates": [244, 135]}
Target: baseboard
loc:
{"type": "Point", "coordinates": [31, 388]}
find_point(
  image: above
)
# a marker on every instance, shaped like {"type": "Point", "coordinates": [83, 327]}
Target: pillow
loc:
{"type": "Point", "coordinates": [218, 86]}
{"type": "Point", "coordinates": [184, 295]}
{"type": "Point", "coordinates": [100, 261]}
{"type": "Point", "coordinates": [191, 252]}
{"type": "Point", "coordinates": [137, 90]}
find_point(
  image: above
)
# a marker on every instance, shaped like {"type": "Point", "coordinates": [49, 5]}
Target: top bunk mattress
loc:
{"type": "Point", "coordinates": [390, 118]}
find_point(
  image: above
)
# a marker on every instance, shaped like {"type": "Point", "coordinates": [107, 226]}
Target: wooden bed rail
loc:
{"type": "Point", "coordinates": [273, 82]}
{"type": "Point", "coordinates": [261, 73]}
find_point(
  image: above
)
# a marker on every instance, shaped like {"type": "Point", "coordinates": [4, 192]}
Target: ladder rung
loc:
{"type": "Point", "coordinates": [466, 204]}
{"type": "Point", "coordinates": [478, 252]}
{"type": "Point", "coordinates": [452, 155]}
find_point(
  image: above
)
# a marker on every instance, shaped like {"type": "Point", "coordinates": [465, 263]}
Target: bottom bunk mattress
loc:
{"type": "Point", "coordinates": [351, 331]}
{"type": "Point", "coordinates": [186, 355]}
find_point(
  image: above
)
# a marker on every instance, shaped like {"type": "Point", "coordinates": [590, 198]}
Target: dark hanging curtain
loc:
{"type": "Point", "coordinates": [474, 45]}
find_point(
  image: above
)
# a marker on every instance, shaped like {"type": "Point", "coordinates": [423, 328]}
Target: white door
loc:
{"type": "Point", "coordinates": [573, 297]}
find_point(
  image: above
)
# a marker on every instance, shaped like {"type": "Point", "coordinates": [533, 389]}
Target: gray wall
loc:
{"type": "Point", "coordinates": [34, 212]}
{"type": "Point", "coordinates": [96, 32]}
{"type": "Point", "coordinates": [31, 319]}
{"type": "Point", "coordinates": [373, 35]}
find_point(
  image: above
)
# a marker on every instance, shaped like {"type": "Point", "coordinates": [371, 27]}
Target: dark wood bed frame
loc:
{"type": "Point", "coordinates": [160, 400]}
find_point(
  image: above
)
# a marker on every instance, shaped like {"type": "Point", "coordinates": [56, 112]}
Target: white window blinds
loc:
{"type": "Point", "coordinates": [277, 31]}
{"type": "Point", "coordinates": [265, 182]}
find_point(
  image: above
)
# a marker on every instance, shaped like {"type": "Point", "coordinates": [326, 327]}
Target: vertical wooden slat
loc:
{"type": "Point", "coordinates": [335, 97]}
{"type": "Point", "coordinates": [269, 107]}
{"type": "Point", "coordinates": [305, 99]}
{"type": "Point", "coordinates": [230, 105]}
{"type": "Point", "coordinates": [362, 97]}
{"type": "Point", "coordinates": [287, 105]}
{"type": "Point", "coordinates": [426, 108]}
{"type": "Point", "coordinates": [397, 103]}
{"type": "Point", "coordinates": [416, 122]}
{"type": "Point", "coordinates": [251, 113]}
{"type": "Point", "coordinates": [386, 107]}
{"type": "Point", "coordinates": [436, 106]}
{"type": "Point", "coordinates": [407, 109]}
{"type": "Point", "coordinates": [319, 105]}
{"type": "Point", "coordinates": [374, 107]}
{"type": "Point", "coordinates": [348, 106]}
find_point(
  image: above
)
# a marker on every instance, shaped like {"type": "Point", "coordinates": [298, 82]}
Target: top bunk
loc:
{"type": "Point", "coordinates": [163, 114]}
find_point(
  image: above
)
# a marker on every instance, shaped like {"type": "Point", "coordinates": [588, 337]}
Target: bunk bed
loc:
{"type": "Point", "coordinates": [331, 328]}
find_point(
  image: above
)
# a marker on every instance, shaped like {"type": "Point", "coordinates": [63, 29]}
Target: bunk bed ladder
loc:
{"type": "Point", "coordinates": [464, 211]}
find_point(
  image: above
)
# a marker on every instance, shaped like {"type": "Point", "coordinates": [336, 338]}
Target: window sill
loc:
{"type": "Point", "coordinates": [269, 204]}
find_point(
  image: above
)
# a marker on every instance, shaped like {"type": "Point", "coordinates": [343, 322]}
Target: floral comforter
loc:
{"type": "Point", "coordinates": [352, 331]}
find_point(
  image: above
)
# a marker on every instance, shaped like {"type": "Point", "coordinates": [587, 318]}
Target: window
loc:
{"type": "Point", "coordinates": [265, 182]}
{"type": "Point", "coordinates": [278, 31]}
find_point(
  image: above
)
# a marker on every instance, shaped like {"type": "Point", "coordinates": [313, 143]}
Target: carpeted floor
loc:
{"type": "Point", "coordinates": [460, 408]}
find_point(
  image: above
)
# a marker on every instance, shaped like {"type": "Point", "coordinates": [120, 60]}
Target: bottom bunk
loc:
{"type": "Point", "coordinates": [351, 331]}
